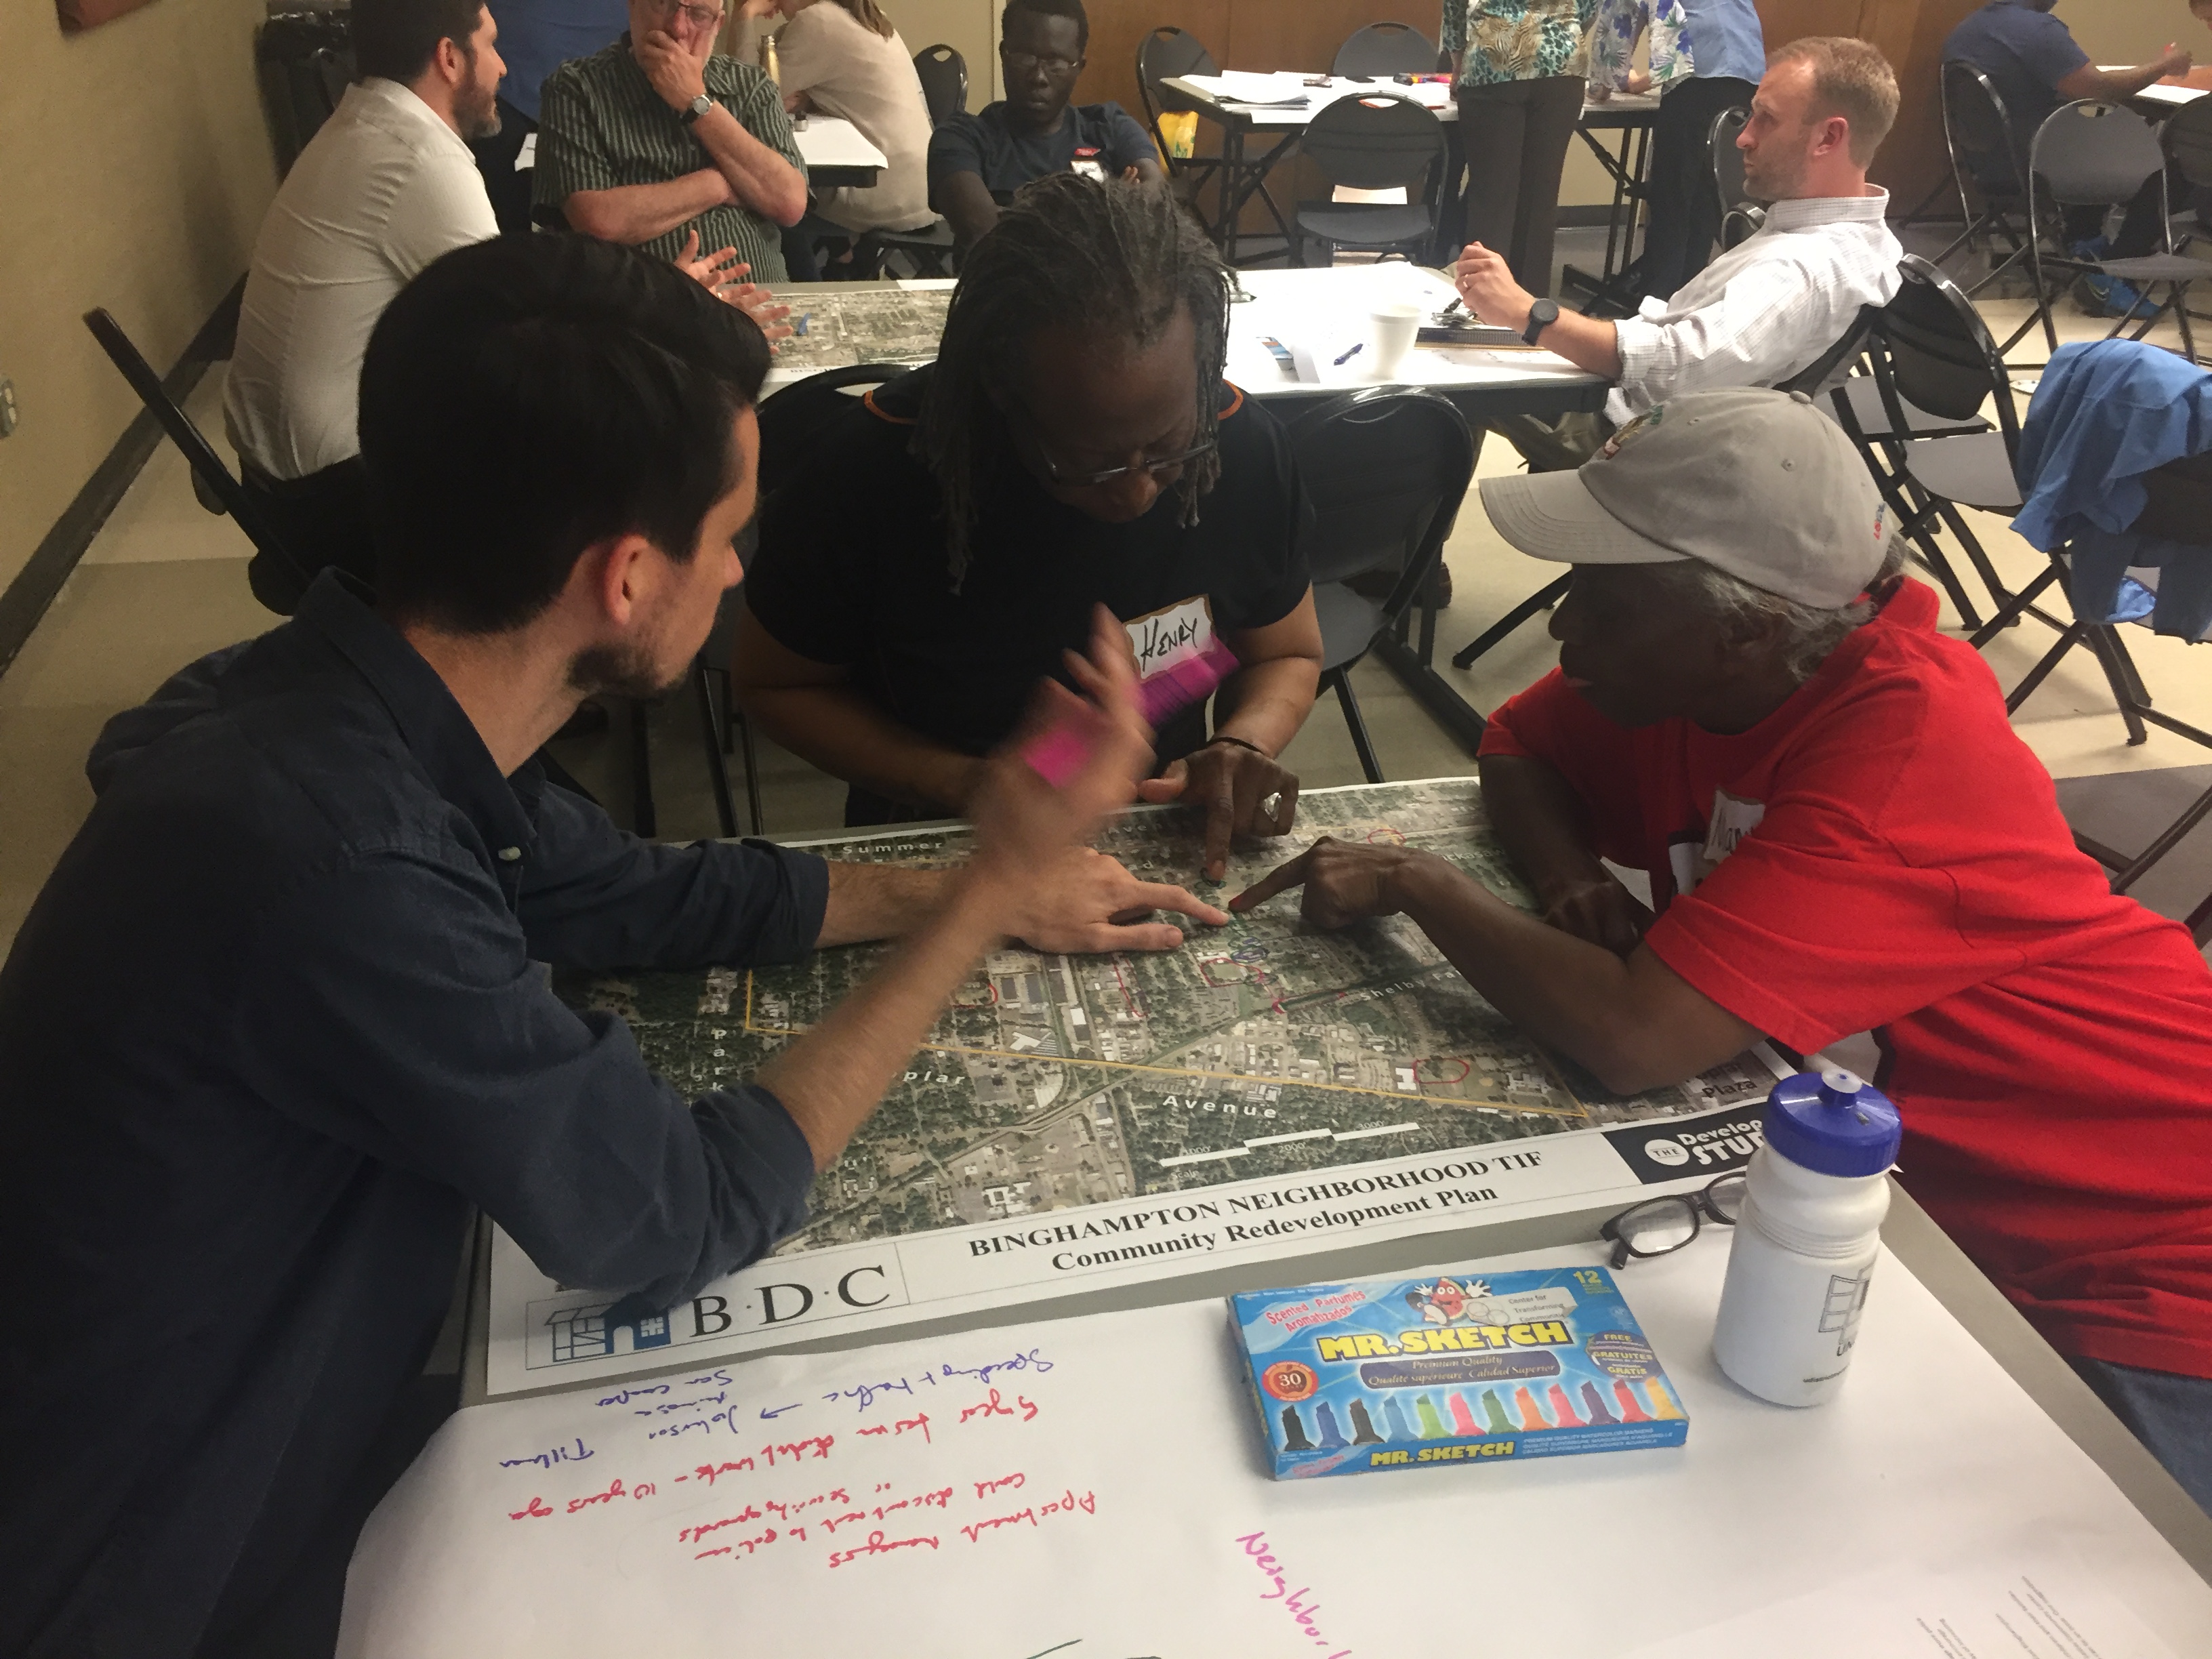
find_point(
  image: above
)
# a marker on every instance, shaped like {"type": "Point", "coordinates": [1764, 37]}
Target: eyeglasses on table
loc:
{"type": "Point", "coordinates": [1659, 1226]}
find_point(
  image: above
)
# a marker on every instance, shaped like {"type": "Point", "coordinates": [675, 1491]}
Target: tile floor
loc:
{"type": "Point", "coordinates": [165, 581]}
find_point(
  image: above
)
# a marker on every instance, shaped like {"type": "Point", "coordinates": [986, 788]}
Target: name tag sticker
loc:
{"type": "Point", "coordinates": [1171, 635]}
{"type": "Point", "coordinates": [1732, 820]}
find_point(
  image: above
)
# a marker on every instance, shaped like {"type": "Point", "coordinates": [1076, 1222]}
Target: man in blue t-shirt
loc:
{"type": "Point", "coordinates": [977, 163]}
{"type": "Point", "coordinates": [2035, 65]}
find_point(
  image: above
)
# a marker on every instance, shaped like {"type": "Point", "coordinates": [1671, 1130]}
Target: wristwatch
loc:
{"type": "Point", "coordinates": [699, 105]}
{"type": "Point", "coordinates": [1542, 314]}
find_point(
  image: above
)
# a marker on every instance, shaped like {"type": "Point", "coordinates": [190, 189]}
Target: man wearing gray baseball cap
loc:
{"type": "Point", "coordinates": [1842, 833]}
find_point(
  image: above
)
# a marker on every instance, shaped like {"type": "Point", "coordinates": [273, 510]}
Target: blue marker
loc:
{"type": "Point", "coordinates": [1349, 354]}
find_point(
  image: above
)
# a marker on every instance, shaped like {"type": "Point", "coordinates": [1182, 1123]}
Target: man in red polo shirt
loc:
{"type": "Point", "coordinates": [1842, 833]}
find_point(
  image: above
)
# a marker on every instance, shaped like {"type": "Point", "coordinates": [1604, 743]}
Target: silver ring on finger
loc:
{"type": "Point", "coordinates": [1273, 806]}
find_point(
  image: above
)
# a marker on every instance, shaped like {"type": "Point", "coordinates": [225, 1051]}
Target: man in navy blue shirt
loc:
{"type": "Point", "coordinates": [280, 1019]}
{"type": "Point", "coordinates": [977, 163]}
{"type": "Point", "coordinates": [2035, 65]}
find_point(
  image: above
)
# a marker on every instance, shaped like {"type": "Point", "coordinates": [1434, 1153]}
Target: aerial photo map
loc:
{"type": "Point", "coordinates": [1265, 1047]}
{"type": "Point", "coordinates": [874, 326]}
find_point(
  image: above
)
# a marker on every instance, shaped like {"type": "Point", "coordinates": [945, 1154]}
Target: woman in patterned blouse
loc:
{"type": "Point", "coordinates": [1518, 68]}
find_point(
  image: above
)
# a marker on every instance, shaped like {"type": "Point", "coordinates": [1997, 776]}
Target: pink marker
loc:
{"type": "Point", "coordinates": [1058, 754]}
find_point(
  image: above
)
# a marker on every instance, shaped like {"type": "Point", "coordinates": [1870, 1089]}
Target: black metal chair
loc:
{"type": "Point", "coordinates": [1168, 50]}
{"type": "Point", "coordinates": [930, 249]}
{"type": "Point", "coordinates": [1978, 139]}
{"type": "Point", "coordinates": [304, 61]}
{"type": "Point", "coordinates": [2178, 508]}
{"type": "Point", "coordinates": [1385, 469]}
{"type": "Point", "coordinates": [1382, 50]}
{"type": "Point", "coordinates": [213, 484]}
{"type": "Point", "coordinates": [2092, 154]}
{"type": "Point", "coordinates": [944, 75]}
{"type": "Point", "coordinates": [2186, 137]}
{"type": "Point", "coordinates": [1373, 142]}
{"type": "Point", "coordinates": [1741, 215]}
{"type": "Point", "coordinates": [1934, 364]}
{"type": "Point", "coordinates": [793, 418]}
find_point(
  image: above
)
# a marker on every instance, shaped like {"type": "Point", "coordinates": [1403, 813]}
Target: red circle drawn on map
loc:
{"type": "Point", "coordinates": [992, 1001]}
{"type": "Point", "coordinates": [1385, 836]}
{"type": "Point", "coordinates": [1288, 1380]}
{"type": "Point", "coordinates": [1427, 1061]}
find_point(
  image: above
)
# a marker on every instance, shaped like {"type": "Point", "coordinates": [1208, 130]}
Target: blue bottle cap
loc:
{"type": "Point", "coordinates": [1832, 1122]}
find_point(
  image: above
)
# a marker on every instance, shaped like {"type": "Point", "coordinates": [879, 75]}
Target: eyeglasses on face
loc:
{"type": "Point", "coordinates": [1659, 1227]}
{"type": "Point", "coordinates": [1021, 63]}
{"type": "Point", "coordinates": [700, 17]}
{"type": "Point", "coordinates": [1071, 480]}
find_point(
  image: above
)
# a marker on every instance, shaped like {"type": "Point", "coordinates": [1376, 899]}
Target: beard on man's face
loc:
{"type": "Point", "coordinates": [622, 671]}
{"type": "Point", "coordinates": [476, 111]}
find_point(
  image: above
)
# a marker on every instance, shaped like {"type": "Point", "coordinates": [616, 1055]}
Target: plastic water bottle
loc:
{"type": "Point", "coordinates": [1807, 1237]}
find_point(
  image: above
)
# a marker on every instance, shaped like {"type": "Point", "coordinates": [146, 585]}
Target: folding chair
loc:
{"type": "Point", "coordinates": [1979, 137]}
{"type": "Point", "coordinates": [1386, 469]}
{"type": "Point", "coordinates": [930, 248]}
{"type": "Point", "coordinates": [2186, 137]}
{"type": "Point", "coordinates": [1382, 50]}
{"type": "Point", "coordinates": [1167, 50]}
{"type": "Point", "coordinates": [1934, 365]}
{"type": "Point", "coordinates": [2178, 508]}
{"type": "Point", "coordinates": [944, 75]}
{"type": "Point", "coordinates": [1740, 214]}
{"type": "Point", "coordinates": [213, 486]}
{"type": "Point", "coordinates": [2090, 154]}
{"type": "Point", "coordinates": [1378, 142]}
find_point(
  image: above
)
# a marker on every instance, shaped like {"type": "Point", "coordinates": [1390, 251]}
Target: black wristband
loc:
{"type": "Point", "coordinates": [1222, 737]}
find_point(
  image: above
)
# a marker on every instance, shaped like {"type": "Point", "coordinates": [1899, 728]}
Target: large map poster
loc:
{"type": "Point", "coordinates": [888, 324]}
{"type": "Point", "coordinates": [1077, 1121]}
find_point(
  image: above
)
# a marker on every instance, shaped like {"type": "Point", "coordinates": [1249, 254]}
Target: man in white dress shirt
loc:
{"type": "Point", "coordinates": [387, 185]}
{"type": "Point", "coordinates": [1767, 309]}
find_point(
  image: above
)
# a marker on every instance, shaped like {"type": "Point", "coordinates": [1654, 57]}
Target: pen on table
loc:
{"type": "Point", "coordinates": [1349, 354]}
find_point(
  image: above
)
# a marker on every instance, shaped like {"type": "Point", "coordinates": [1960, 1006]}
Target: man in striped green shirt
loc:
{"type": "Point", "coordinates": [656, 137]}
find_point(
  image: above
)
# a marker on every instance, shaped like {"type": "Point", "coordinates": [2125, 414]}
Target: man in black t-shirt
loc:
{"type": "Point", "coordinates": [977, 163]}
{"type": "Point", "coordinates": [940, 546]}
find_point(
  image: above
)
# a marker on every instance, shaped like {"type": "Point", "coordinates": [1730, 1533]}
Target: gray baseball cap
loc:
{"type": "Point", "coordinates": [1758, 483]}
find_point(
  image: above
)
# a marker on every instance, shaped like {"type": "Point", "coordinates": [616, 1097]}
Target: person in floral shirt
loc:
{"type": "Point", "coordinates": [1518, 71]}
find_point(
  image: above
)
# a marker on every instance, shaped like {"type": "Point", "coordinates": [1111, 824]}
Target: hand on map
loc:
{"type": "Point", "coordinates": [1240, 790]}
{"type": "Point", "coordinates": [1025, 829]}
{"type": "Point", "coordinates": [1344, 882]}
{"type": "Point", "coordinates": [678, 76]}
{"type": "Point", "coordinates": [720, 275]}
{"type": "Point", "coordinates": [1093, 904]}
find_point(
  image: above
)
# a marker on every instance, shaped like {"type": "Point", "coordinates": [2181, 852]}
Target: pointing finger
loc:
{"type": "Point", "coordinates": [1162, 896]}
{"type": "Point", "coordinates": [1277, 880]}
{"type": "Point", "coordinates": [1220, 825]}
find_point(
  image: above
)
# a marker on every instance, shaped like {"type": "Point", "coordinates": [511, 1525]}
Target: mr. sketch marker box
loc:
{"type": "Point", "coordinates": [1396, 1373]}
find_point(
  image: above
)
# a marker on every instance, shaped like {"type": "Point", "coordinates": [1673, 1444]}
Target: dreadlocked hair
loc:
{"type": "Point", "coordinates": [1116, 259]}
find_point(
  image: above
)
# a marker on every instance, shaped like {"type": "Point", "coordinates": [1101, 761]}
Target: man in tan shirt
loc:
{"type": "Point", "coordinates": [842, 58]}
